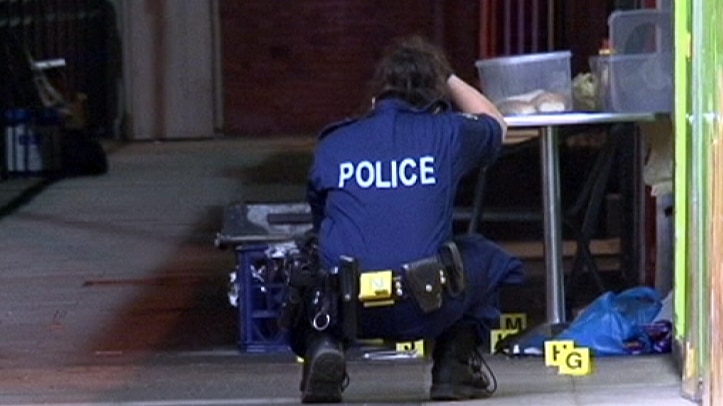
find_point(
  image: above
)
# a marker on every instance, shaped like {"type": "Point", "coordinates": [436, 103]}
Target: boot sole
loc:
{"type": "Point", "coordinates": [325, 377]}
{"type": "Point", "coordinates": [457, 392]}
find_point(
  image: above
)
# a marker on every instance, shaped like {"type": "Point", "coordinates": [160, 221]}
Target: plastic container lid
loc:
{"type": "Point", "coordinates": [538, 57]}
{"type": "Point", "coordinates": [14, 116]}
{"type": "Point", "coordinates": [641, 31]}
{"type": "Point", "coordinates": [42, 116]}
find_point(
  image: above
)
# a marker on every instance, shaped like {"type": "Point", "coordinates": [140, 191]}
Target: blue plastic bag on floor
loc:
{"type": "Point", "coordinates": [612, 322]}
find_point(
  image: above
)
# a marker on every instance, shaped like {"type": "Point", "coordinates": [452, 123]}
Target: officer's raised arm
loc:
{"type": "Point", "coordinates": [470, 100]}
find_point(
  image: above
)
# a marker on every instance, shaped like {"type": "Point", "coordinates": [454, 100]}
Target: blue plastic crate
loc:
{"type": "Point", "coordinates": [261, 294]}
{"type": "Point", "coordinates": [32, 141]}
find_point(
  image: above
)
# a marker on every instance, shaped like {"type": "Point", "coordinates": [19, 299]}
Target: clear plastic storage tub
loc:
{"type": "Point", "coordinates": [528, 84]}
{"type": "Point", "coordinates": [635, 83]}
{"type": "Point", "coordinates": [641, 31]}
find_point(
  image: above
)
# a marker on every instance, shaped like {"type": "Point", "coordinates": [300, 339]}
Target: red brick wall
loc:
{"type": "Point", "coordinates": [584, 27]}
{"type": "Point", "coordinates": [290, 67]}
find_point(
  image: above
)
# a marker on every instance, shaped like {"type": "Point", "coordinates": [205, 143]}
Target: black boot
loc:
{"type": "Point", "coordinates": [324, 371]}
{"type": "Point", "coordinates": [457, 371]}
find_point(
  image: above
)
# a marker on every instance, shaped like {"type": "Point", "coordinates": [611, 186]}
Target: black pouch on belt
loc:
{"type": "Point", "coordinates": [424, 279]}
{"type": "Point", "coordinates": [451, 260]}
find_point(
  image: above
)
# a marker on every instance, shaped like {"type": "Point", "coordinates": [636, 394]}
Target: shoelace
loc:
{"type": "Point", "coordinates": [476, 362]}
{"type": "Point", "coordinates": [345, 381]}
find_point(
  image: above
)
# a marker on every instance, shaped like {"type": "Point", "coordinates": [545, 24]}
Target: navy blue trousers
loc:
{"type": "Point", "coordinates": [487, 267]}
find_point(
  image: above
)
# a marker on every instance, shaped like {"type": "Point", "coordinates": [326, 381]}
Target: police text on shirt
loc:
{"type": "Point", "coordinates": [388, 174]}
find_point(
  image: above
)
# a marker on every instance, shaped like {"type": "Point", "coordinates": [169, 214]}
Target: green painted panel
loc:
{"type": "Point", "coordinates": [696, 116]}
{"type": "Point", "coordinates": [682, 135]}
{"type": "Point", "coordinates": [708, 65]}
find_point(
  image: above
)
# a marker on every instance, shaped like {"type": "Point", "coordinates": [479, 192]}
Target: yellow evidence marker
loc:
{"type": "Point", "coordinates": [497, 335]}
{"type": "Point", "coordinates": [513, 321]}
{"type": "Point", "coordinates": [554, 349]}
{"type": "Point", "coordinates": [569, 360]}
{"type": "Point", "coordinates": [416, 346]}
{"type": "Point", "coordinates": [576, 362]}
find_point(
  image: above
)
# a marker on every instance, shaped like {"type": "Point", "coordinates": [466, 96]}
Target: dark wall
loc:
{"type": "Point", "coordinates": [290, 67]}
{"type": "Point", "coordinates": [584, 26]}
{"type": "Point", "coordinates": [583, 29]}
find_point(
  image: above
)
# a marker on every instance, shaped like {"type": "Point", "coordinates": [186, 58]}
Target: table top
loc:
{"type": "Point", "coordinates": [579, 118]}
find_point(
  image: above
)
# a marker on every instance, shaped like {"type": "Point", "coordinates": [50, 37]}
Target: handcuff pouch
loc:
{"type": "Point", "coordinates": [424, 279]}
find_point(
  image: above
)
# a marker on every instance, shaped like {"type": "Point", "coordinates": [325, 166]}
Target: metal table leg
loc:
{"type": "Point", "coordinates": [555, 290]}
{"type": "Point", "coordinates": [552, 218]}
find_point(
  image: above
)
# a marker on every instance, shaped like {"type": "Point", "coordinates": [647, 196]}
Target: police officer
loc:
{"type": "Point", "coordinates": [382, 189]}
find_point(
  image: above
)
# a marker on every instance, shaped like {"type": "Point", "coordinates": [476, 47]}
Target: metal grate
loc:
{"type": "Point", "coordinates": [513, 27]}
{"type": "Point", "coordinates": [80, 33]}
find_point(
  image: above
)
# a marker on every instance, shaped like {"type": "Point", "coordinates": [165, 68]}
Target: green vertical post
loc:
{"type": "Point", "coordinates": [682, 134]}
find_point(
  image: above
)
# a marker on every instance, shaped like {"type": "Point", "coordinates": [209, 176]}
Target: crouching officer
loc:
{"type": "Point", "coordinates": [382, 188]}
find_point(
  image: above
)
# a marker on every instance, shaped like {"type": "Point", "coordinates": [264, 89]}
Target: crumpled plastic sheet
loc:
{"type": "Point", "coordinates": [658, 168]}
{"type": "Point", "coordinates": [274, 251]}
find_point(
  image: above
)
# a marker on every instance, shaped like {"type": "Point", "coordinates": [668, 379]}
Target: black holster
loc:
{"type": "Point", "coordinates": [319, 298]}
{"type": "Point", "coordinates": [428, 277]}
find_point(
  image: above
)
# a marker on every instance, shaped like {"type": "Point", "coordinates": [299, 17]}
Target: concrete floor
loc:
{"type": "Point", "coordinates": [114, 293]}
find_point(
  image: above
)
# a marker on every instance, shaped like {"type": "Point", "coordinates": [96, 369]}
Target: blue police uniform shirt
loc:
{"type": "Point", "coordinates": [382, 188]}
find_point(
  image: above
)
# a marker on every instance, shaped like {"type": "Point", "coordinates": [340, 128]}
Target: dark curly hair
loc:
{"type": "Point", "coordinates": [413, 70]}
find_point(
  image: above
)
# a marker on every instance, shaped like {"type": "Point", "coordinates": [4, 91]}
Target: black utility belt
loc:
{"type": "Point", "coordinates": [424, 280]}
